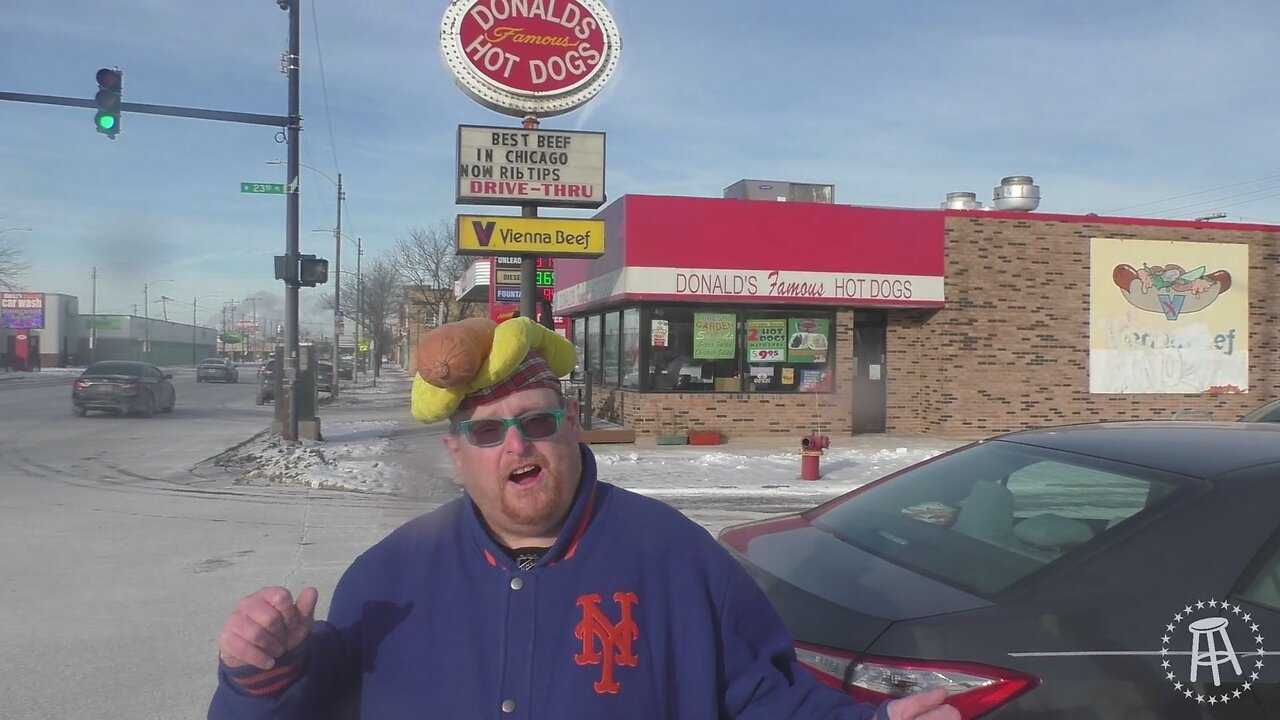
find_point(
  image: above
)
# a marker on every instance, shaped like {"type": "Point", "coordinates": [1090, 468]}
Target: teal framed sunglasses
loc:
{"type": "Point", "coordinates": [489, 432]}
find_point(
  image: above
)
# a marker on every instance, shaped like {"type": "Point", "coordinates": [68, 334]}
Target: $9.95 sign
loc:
{"type": "Point", "coordinates": [766, 341]}
{"type": "Point", "coordinates": [530, 57]}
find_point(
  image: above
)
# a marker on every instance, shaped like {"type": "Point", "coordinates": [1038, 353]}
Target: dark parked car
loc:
{"type": "Point", "coordinates": [123, 386]}
{"type": "Point", "coordinates": [1126, 570]}
{"type": "Point", "coordinates": [266, 382]}
{"type": "Point", "coordinates": [1267, 413]}
{"type": "Point", "coordinates": [219, 369]}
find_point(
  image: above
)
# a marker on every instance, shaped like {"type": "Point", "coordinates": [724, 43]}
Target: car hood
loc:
{"type": "Point", "coordinates": [836, 594]}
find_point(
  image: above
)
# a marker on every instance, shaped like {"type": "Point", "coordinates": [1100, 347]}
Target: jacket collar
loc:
{"type": "Point", "coordinates": [586, 502]}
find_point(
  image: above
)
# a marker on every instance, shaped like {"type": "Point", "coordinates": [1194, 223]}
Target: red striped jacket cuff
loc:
{"type": "Point", "coordinates": [263, 683]}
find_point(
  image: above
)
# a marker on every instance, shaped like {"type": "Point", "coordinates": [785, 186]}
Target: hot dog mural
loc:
{"type": "Point", "coordinates": [1168, 317]}
{"type": "Point", "coordinates": [1169, 289]}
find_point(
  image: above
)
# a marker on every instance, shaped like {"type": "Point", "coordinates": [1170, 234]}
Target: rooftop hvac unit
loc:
{"type": "Point", "coordinates": [961, 201]}
{"type": "Point", "coordinates": [1018, 193]}
{"type": "Point", "coordinates": [780, 191]}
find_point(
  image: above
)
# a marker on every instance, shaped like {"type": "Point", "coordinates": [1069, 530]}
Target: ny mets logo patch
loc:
{"type": "Point", "coordinates": [604, 642]}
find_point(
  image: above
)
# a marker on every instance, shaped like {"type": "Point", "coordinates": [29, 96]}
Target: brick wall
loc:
{"type": "Point", "coordinates": [1011, 349]}
{"type": "Point", "coordinates": [741, 414]}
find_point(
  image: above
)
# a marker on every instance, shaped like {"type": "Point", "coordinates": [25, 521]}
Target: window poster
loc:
{"type": "Point", "coordinates": [715, 336]}
{"type": "Point", "coordinates": [766, 341]}
{"type": "Point", "coordinates": [807, 340]}
{"type": "Point", "coordinates": [658, 333]}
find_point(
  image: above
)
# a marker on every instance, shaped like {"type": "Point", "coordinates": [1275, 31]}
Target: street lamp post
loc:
{"type": "Point", "coordinates": [146, 324]}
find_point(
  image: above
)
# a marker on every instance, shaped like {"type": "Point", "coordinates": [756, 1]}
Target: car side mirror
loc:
{"type": "Point", "coordinates": [168, 376]}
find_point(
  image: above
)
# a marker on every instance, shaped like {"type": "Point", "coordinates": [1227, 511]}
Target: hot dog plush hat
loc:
{"type": "Point", "coordinates": [476, 361]}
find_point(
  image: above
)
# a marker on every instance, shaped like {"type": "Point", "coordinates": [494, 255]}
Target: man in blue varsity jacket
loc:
{"type": "Point", "coordinates": [542, 593]}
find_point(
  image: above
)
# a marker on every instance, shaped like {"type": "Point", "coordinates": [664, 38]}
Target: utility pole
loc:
{"type": "Point", "coordinates": [194, 303]}
{"type": "Point", "coordinates": [359, 305]}
{"type": "Point", "coordinates": [294, 63]}
{"type": "Point", "coordinates": [164, 305]}
{"type": "Point", "coordinates": [337, 294]}
{"type": "Point", "coordinates": [529, 263]}
{"type": "Point", "coordinates": [93, 329]}
{"type": "Point", "coordinates": [255, 324]}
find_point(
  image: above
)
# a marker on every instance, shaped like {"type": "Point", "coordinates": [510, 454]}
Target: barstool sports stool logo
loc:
{"type": "Point", "coordinates": [1211, 644]}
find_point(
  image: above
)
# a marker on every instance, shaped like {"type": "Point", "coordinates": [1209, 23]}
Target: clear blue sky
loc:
{"type": "Point", "coordinates": [1110, 106]}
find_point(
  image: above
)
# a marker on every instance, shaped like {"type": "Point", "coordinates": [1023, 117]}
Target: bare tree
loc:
{"type": "Point", "coordinates": [429, 265]}
{"type": "Point", "coordinates": [379, 300]}
{"type": "Point", "coordinates": [12, 266]}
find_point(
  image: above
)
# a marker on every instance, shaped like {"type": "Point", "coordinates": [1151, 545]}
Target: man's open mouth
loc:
{"type": "Point", "coordinates": [525, 475]}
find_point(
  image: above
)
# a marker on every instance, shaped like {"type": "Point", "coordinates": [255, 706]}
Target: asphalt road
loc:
{"type": "Point", "coordinates": [120, 556]}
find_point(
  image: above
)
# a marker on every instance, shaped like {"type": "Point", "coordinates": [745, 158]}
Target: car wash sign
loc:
{"type": "Point", "coordinates": [506, 166]}
{"type": "Point", "coordinates": [530, 57]}
{"type": "Point", "coordinates": [21, 310]}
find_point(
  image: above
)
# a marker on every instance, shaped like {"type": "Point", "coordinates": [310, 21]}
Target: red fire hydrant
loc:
{"type": "Point", "coordinates": [811, 448]}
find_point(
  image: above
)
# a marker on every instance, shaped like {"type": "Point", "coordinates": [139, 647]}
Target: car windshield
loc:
{"type": "Point", "coordinates": [990, 515]}
{"type": "Point", "coordinates": [1267, 413]}
{"type": "Point", "coordinates": [213, 361]}
{"type": "Point", "coordinates": [114, 368]}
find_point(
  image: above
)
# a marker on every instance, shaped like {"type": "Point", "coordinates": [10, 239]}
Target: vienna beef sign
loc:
{"type": "Point", "coordinates": [530, 57]}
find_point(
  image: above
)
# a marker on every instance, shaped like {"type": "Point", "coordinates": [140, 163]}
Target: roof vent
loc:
{"type": "Point", "coordinates": [1018, 193]}
{"type": "Point", "coordinates": [961, 201]}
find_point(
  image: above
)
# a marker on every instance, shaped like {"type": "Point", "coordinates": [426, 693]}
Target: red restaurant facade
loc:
{"type": "Point", "coordinates": [753, 318]}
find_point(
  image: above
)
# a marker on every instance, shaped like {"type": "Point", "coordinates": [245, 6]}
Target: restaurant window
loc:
{"type": "Point", "coordinates": [714, 349]}
{"type": "Point", "coordinates": [788, 351]}
{"type": "Point", "coordinates": [580, 345]}
{"type": "Point", "coordinates": [593, 349]}
{"type": "Point", "coordinates": [631, 348]}
{"type": "Point", "coordinates": [694, 350]}
{"type": "Point", "coordinates": [612, 340]}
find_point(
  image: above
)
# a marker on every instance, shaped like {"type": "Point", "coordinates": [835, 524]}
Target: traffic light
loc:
{"type": "Point", "coordinates": [110, 86]}
{"type": "Point", "coordinates": [314, 271]}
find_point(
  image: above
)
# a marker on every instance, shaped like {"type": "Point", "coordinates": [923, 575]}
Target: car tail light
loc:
{"type": "Point", "coordinates": [81, 384]}
{"type": "Point", "coordinates": [134, 387]}
{"type": "Point", "coordinates": [972, 689]}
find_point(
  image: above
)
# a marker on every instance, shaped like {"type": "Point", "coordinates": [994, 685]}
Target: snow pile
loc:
{"type": "Point", "coordinates": [351, 457]}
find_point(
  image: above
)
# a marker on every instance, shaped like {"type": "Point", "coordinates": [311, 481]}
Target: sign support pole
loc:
{"type": "Point", "coordinates": [529, 263]}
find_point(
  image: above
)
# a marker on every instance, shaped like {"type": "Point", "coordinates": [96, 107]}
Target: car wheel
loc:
{"type": "Point", "coordinates": [259, 400]}
{"type": "Point", "coordinates": [80, 410]}
{"type": "Point", "coordinates": [148, 406]}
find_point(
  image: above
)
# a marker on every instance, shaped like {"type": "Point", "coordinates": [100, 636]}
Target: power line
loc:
{"type": "Point", "coordinates": [1179, 197]}
{"type": "Point", "coordinates": [324, 87]}
{"type": "Point", "coordinates": [1216, 203]}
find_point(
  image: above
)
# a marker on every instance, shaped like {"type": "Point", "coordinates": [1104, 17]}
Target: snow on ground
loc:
{"type": "Point", "coordinates": [745, 479]}
{"type": "Point", "coordinates": [46, 374]}
{"type": "Point", "coordinates": [688, 471]}
{"type": "Point", "coordinates": [353, 456]}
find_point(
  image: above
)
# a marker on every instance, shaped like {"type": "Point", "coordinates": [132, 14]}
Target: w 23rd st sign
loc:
{"type": "Point", "coordinates": [505, 166]}
{"type": "Point", "coordinates": [542, 237]}
{"type": "Point", "coordinates": [530, 57]}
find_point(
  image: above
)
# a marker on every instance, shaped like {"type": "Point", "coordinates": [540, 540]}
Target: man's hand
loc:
{"type": "Point", "coordinates": [265, 626]}
{"type": "Point", "coordinates": [925, 705]}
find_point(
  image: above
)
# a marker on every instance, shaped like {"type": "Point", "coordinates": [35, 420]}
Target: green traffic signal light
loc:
{"type": "Point", "coordinates": [110, 87]}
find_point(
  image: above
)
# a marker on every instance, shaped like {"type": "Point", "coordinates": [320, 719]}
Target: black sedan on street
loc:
{"type": "Point", "coordinates": [1111, 570]}
{"type": "Point", "coordinates": [266, 380]}
{"type": "Point", "coordinates": [122, 387]}
{"type": "Point", "coordinates": [217, 369]}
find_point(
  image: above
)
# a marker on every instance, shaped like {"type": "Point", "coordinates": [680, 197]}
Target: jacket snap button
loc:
{"type": "Point", "coordinates": [516, 584]}
{"type": "Point", "coordinates": [508, 706]}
